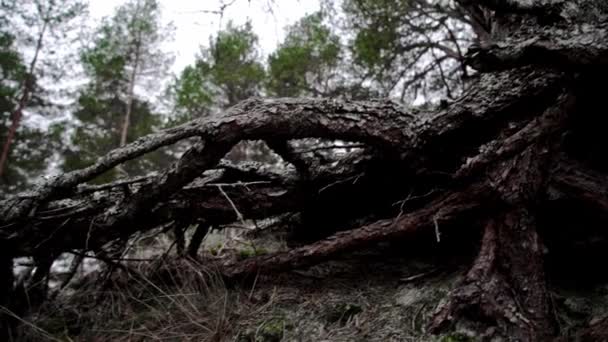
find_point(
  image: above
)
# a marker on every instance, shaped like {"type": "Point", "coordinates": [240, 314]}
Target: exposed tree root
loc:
{"type": "Point", "coordinates": [597, 331]}
{"type": "Point", "coordinates": [197, 239]}
{"type": "Point", "coordinates": [504, 293]}
{"type": "Point", "coordinates": [446, 208]}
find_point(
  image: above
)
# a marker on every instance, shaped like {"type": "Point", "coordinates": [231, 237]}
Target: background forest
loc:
{"type": "Point", "coordinates": [74, 87]}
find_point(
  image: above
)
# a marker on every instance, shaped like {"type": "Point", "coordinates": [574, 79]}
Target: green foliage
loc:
{"type": "Point", "coordinates": [193, 92]}
{"type": "Point", "coordinates": [234, 63]}
{"type": "Point", "coordinates": [306, 61]}
{"type": "Point", "coordinates": [13, 74]}
{"type": "Point", "coordinates": [105, 62]}
{"type": "Point", "coordinates": [11, 65]}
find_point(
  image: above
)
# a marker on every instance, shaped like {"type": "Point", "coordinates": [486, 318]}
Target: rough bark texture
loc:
{"type": "Point", "coordinates": [525, 138]}
{"type": "Point", "coordinates": [505, 290]}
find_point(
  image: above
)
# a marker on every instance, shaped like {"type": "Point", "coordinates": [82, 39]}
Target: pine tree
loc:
{"type": "Point", "coordinates": [228, 71]}
{"type": "Point", "coordinates": [124, 64]}
{"type": "Point", "coordinates": [306, 63]}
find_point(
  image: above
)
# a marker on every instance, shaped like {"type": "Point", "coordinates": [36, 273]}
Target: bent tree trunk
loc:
{"type": "Point", "coordinates": [525, 139]}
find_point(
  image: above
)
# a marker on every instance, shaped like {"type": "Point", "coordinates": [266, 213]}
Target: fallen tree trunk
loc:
{"type": "Point", "coordinates": [419, 145]}
{"type": "Point", "coordinates": [523, 137]}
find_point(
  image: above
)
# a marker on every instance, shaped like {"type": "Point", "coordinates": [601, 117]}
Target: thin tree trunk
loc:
{"type": "Point", "coordinates": [131, 93]}
{"type": "Point", "coordinates": [127, 120]}
{"type": "Point", "coordinates": [26, 86]}
{"type": "Point", "coordinates": [132, 78]}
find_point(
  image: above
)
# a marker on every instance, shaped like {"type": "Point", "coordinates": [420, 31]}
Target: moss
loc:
{"type": "Point", "coordinates": [342, 312]}
{"type": "Point", "coordinates": [272, 330]}
{"type": "Point", "coordinates": [216, 249]}
{"type": "Point", "coordinates": [457, 337]}
{"type": "Point", "coordinates": [251, 252]}
{"type": "Point", "coordinates": [56, 329]}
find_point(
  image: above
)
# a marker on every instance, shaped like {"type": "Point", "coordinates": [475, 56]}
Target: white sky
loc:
{"type": "Point", "coordinates": [193, 26]}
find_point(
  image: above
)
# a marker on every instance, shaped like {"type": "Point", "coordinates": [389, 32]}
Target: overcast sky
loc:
{"type": "Point", "coordinates": [194, 24]}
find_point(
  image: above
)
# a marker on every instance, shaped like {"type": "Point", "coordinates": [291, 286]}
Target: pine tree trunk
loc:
{"type": "Point", "coordinates": [26, 88]}
{"type": "Point", "coordinates": [131, 90]}
{"type": "Point", "coordinates": [130, 97]}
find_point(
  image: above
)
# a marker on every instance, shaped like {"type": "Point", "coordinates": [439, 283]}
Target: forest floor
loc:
{"type": "Point", "coordinates": [387, 293]}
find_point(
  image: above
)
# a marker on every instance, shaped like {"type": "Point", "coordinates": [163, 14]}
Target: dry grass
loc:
{"type": "Point", "coordinates": [186, 304]}
{"type": "Point", "coordinates": [354, 299]}
{"type": "Point", "coordinates": [381, 294]}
